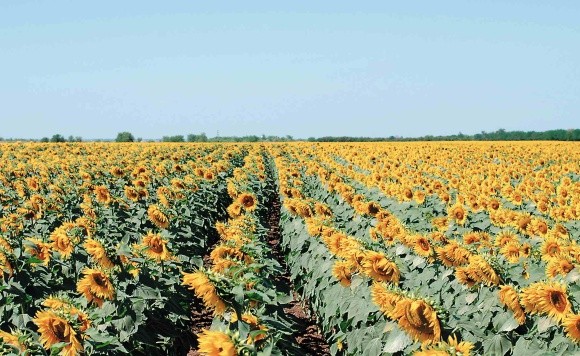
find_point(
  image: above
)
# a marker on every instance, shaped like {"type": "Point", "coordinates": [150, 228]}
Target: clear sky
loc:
{"type": "Point", "coordinates": [300, 68]}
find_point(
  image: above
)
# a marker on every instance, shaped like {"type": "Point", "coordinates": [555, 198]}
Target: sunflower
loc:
{"type": "Point", "coordinates": [254, 323]}
{"type": "Point", "coordinates": [372, 208]}
{"type": "Point", "coordinates": [385, 299]}
{"type": "Point", "coordinates": [215, 343]}
{"type": "Point", "coordinates": [58, 303]}
{"type": "Point", "coordinates": [464, 276]}
{"type": "Point", "coordinates": [379, 268]}
{"type": "Point", "coordinates": [441, 223]}
{"type": "Point", "coordinates": [422, 246]}
{"type": "Point", "coordinates": [54, 329]}
{"type": "Point", "coordinates": [157, 217]}
{"type": "Point", "coordinates": [342, 271]}
{"type": "Point", "coordinates": [546, 298]}
{"type": "Point", "coordinates": [102, 194]}
{"type": "Point", "coordinates": [451, 347]}
{"type": "Point", "coordinates": [458, 213]}
{"type": "Point", "coordinates": [96, 250]}
{"type": "Point", "coordinates": [480, 270]}
{"type": "Point", "coordinates": [12, 340]}
{"type": "Point", "coordinates": [248, 201]}
{"type": "Point", "coordinates": [95, 286]}
{"type": "Point", "coordinates": [511, 252]}
{"type": "Point", "coordinates": [418, 319]}
{"type": "Point", "coordinates": [539, 227]}
{"type": "Point", "coordinates": [155, 247]}
{"type": "Point", "coordinates": [117, 172]}
{"type": "Point", "coordinates": [560, 265]}
{"type": "Point", "coordinates": [453, 255]}
{"type": "Point", "coordinates": [494, 204]}
{"type": "Point", "coordinates": [322, 209]}
{"type": "Point", "coordinates": [505, 237]}
{"type": "Point", "coordinates": [131, 193]}
{"type": "Point", "coordinates": [509, 297]}
{"type": "Point", "coordinates": [62, 243]}
{"type": "Point", "coordinates": [204, 289]}
{"type": "Point", "coordinates": [523, 222]}
{"type": "Point", "coordinates": [572, 326]}
{"type": "Point", "coordinates": [551, 249]}
{"type": "Point", "coordinates": [235, 209]}
{"type": "Point", "coordinates": [39, 249]}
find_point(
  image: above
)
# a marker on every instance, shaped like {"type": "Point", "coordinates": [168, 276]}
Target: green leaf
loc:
{"type": "Point", "coordinates": [373, 347]}
{"type": "Point", "coordinates": [397, 341]}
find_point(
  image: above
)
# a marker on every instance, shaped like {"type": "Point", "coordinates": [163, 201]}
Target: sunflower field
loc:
{"type": "Point", "coordinates": [423, 248]}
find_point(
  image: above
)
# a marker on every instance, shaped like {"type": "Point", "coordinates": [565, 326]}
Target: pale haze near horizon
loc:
{"type": "Point", "coordinates": [305, 69]}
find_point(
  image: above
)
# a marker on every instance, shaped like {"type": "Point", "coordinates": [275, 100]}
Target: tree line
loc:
{"type": "Point", "coordinates": [499, 135]}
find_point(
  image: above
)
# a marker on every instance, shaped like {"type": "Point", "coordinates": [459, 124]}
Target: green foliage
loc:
{"type": "Point", "coordinates": [124, 136]}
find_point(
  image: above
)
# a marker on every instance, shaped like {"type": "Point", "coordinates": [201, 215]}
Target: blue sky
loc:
{"type": "Point", "coordinates": [300, 68]}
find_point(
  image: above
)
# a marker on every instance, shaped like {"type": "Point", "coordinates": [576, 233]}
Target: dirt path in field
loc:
{"type": "Point", "coordinates": [308, 335]}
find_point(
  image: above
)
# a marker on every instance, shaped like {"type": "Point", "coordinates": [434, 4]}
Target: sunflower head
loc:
{"type": "Point", "coordinates": [204, 289]}
{"type": "Point", "coordinates": [56, 329]}
{"type": "Point", "coordinates": [95, 286]}
{"type": "Point", "coordinates": [247, 201]}
{"type": "Point", "coordinates": [572, 326]}
{"type": "Point", "coordinates": [215, 343]}
{"type": "Point", "coordinates": [342, 271]}
{"type": "Point", "coordinates": [546, 298]}
{"type": "Point", "coordinates": [379, 268]}
{"type": "Point", "coordinates": [157, 217]}
{"type": "Point", "coordinates": [418, 319]}
{"type": "Point", "coordinates": [155, 247]}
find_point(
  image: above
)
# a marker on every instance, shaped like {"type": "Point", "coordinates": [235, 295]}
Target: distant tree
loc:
{"type": "Point", "coordinates": [44, 139]}
{"type": "Point", "coordinates": [175, 138]}
{"type": "Point", "coordinates": [57, 138]}
{"type": "Point", "coordinates": [139, 139]}
{"type": "Point", "coordinates": [197, 138]}
{"type": "Point", "coordinates": [125, 137]}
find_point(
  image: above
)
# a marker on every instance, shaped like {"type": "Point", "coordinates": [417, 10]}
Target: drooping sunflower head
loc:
{"type": "Point", "coordinates": [379, 268]}
{"type": "Point", "coordinates": [95, 286]}
{"type": "Point", "coordinates": [96, 250]}
{"type": "Point", "coordinates": [62, 242]}
{"type": "Point", "coordinates": [342, 271]}
{"type": "Point", "coordinates": [204, 289]}
{"type": "Point", "coordinates": [453, 255]}
{"type": "Point", "coordinates": [13, 339]}
{"type": "Point", "coordinates": [55, 329]}
{"type": "Point", "coordinates": [157, 217]}
{"type": "Point", "coordinates": [235, 209]}
{"type": "Point", "coordinates": [559, 266]}
{"type": "Point", "coordinates": [418, 319]}
{"type": "Point", "coordinates": [508, 296]}
{"type": "Point", "coordinates": [39, 249]}
{"type": "Point", "coordinates": [385, 299]}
